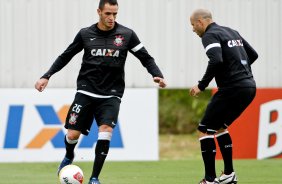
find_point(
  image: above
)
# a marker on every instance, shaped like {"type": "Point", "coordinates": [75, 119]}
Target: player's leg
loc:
{"type": "Point", "coordinates": [207, 145]}
{"type": "Point", "coordinates": [209, 125]}
{"type": "Point", "coordinates": [78, 114]}
{"type": "Point", "coordinates": [208, 150]}
{"type": "Point", "coordinates": [101, 151]}
{"type": "Point", "coordinates": [71, 139]}
{"type": "Point", "coordinates": [106, 116]}
{"type": "Point", "coordinates": [225, 144]}
{"type": "Point", "coordinates": [238, 102]}
{"type": "Point", "coordinates": [223, 137]}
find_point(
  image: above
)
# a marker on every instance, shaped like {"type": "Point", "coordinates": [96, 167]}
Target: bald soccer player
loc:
{"type": "Point", "coordinates": [230, 59]}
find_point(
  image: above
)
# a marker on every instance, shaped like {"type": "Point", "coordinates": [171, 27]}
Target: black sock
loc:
{"type": "Point", "coordinates": [70, 148]}
{"type": "Point", "coordinates": [101, 151]}
{"type": "Point", "coordinates": [208, 149]}
{"type": "Point", "coordinates": [225, 144]}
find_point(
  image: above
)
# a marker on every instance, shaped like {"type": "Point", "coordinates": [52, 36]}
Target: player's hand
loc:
{"type": "Point", "coordinates": [160, 81]}
{"type": "Point", "coordinates": [41, 84]}
{"type": "Point", "coordinates": [194, 91]}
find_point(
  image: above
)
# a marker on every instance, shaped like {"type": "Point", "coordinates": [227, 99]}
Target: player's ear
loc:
{"type": "Point", "coordinates": [201, 22]}
{"type": "Point", "coordinates": [99, 12]}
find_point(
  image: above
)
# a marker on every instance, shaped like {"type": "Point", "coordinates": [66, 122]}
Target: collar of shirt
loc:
{"type": "Point", "coordinates": [210, 26]}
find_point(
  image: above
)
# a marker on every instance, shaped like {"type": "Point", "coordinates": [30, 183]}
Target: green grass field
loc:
{"type": "Point", "coordinates": [160, 172]}
{"type": "Point", "coordinates": [180, 163]}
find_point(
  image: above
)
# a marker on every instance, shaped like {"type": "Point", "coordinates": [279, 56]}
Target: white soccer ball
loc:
{"type": "Point", "coordinates": [71, 174]}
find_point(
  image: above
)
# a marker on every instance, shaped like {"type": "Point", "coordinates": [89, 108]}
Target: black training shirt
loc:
{"type": "Point", "coordinates": [230, 58]}
{"type": "Point", "coordinates": [105, 52]}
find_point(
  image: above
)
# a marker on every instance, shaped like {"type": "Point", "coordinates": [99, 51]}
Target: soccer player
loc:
{"type": "Point", "coordinates": [230, 58]}
{"type": "Point", "coordinates": [100, 83]}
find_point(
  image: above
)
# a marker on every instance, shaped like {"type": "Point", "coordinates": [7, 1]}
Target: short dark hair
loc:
{"type": "Point", "coordinates": [103, 2]}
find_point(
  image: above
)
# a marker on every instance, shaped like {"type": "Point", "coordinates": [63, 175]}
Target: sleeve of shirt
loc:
{"type": "Point", "coordinates": [75, 47]}
{"type": "Point", "coordinates": [213, 50]}
{"type": "Point", "coordinates": [140, 52]}
{"type": "Point", "coordinates": [252, 54]}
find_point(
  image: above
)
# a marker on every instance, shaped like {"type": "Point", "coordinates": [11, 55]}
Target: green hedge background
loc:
{"type": "Point", "coordinates": [179, 113]}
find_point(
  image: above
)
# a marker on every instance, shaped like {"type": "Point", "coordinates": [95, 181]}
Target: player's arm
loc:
{"type": "Point", "coordinates": [139, 51]}
{"type": "Point", "coordinates": [214, 52]}
{"type": "Point", "coordinates": [75, 47]}
{"type": "Point", "coordinates": [252, 54]}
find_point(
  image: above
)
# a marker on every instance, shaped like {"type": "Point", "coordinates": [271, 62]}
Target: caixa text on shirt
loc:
{"type": "Point", "coordinates": [235, 43]}
{"type": "Point", "coordinates": [105, 52]}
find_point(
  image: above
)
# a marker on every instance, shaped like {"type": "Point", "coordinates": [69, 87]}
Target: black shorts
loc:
{"type": "Point", "coordinates": [85, 108]}
{"type": "Point", "coordinates": [225, 107]}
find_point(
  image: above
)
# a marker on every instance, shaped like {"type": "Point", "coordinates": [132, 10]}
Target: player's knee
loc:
{"type": "Point", "coordinates": [73, 135]}
{"type": "Point", "coordinates": [105, 128]}
{"type": "Point", "coordinates": [222, 130]}
{"type": "Point", "coordinates": [205, 131]}
{"type": "Point", "coordinates": [201, 134]}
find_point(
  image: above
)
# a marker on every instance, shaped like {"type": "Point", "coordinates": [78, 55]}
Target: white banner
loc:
{"type": "Point", "coordinates": [31, 126]}
{"type": "Point", "coordinates": [267, 127]}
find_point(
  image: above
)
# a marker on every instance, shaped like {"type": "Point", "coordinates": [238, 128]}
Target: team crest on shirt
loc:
{"type": "Point", "coordinates": [119, 40]}
{"type": "Point", "coordinates": [73, 118]}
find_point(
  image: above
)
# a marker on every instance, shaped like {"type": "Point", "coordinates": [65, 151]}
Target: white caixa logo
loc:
{"type": "Point", "coordinates": [268, 128]}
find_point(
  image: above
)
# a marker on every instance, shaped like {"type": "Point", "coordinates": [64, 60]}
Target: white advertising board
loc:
{"type": "Point", "coordinates": [31, 126]}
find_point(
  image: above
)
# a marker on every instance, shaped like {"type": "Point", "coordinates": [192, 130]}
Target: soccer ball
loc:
{"type": "Point", "coordinates": [71, 174]}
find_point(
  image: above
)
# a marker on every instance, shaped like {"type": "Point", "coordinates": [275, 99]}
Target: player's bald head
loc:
{"type": "Point", "coordinates": [200, 19]}
{"type": "Point", "coordinates": [201, 14]}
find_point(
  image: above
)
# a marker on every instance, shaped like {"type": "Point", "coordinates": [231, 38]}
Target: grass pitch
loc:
{"type": "Point", "coordinates": [180, 164]}
{"type": "Point", "coordinates": [159, 172]}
